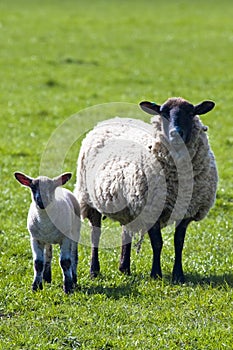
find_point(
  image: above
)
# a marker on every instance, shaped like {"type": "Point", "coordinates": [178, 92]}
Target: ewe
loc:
{"type": "Point", "coordinates": [53, 218]}
{"type": "Point", "coordinates": [147, 176]}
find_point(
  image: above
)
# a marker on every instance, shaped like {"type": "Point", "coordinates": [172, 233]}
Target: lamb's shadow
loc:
{"type": "Point", "coordinates": [115, 292]}
{"type": "Point", "coordinates": [131, 287]}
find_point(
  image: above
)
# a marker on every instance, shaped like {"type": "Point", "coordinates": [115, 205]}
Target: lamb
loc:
{"type": "Point", "coordinates": [53, 218]}
{"type": "Point", "coordinates": [147, 176]}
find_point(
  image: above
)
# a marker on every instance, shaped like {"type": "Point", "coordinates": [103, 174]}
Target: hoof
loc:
{"type": "Point", "coordinates": [94, 274]}
{"type": "Point", "coordinates": [37, 286]}
{"type": "Point", "coordinates": [156, 276]}
{"type": "Point", "coordinates": [125, 270]}
{"type": "Point", "coordinates": [68, 288]}
{"type": "Point", "coordinates": [178, 279]}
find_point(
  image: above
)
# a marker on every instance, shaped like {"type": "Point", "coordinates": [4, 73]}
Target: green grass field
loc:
{"type": "Point", "coordinates": [58, 58]}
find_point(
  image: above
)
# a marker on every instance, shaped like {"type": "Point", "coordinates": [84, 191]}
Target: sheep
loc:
{"type": "Point", "coordinates": [147, 176]}
{"type": "Point", "coordinates": [53, 218]}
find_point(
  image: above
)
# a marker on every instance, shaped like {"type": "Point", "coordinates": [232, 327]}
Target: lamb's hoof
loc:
{"type": "Point", "coordinates": [68, 288]}
{"type": "Point", "coordinates": [37, 286]}
{"type": "Point", "coordinates": [94, 269]}
{"type": "Point", "coordinates": [47, 277]}
{"type": "Point", "coordinates": [125, 270]}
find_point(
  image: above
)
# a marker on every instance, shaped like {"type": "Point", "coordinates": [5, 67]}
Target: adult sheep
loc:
{"type": "Point", "coordinates": [146, 176]}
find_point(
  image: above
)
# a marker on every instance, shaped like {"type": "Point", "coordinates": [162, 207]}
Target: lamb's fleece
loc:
{"type": "Point", "coordinates": [61, 218]}
{"type": "Point", "coordinates": [128, 171]}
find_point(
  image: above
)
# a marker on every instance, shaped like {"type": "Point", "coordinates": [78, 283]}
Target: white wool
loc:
{"type": "Point", "coordinates": [59, 219]}
{"type": "Point", "coordinates": [128, 171]}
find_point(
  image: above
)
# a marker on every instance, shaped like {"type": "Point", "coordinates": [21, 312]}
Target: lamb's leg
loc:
{"type": "Point", "coordinates": [65, 262]}
{"type": "Point", "coordinates": [38, 262]}
{"type": "Point", "coordinates": [157, 244]}
{"type": "Point", "coordinates": [47, 274]}
{"type": "Point", "coordinates": [125, 252]}
{"type": "Point", "coordinates": [177, 274]}
{"type": "Point", "coordinates": [74, 261]}
{"type": "Point", "coordinates": [95, 219]}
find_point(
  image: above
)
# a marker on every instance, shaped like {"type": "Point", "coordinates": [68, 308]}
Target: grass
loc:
{"type": "Point", "coordinates": [58, 58]}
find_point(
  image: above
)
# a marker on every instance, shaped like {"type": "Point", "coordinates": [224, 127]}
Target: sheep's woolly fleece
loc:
{"type": "Point", "coordinates": [128, 171]}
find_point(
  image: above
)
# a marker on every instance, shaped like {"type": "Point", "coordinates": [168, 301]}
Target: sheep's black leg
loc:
{"type": "Point", "coordinates": [157, 244]}
{"type": "Point", "coordinates": [177, 274]}
{"type": "Point", "coordinates": [47, 275]}
{"type": "Point", "coordinates": [125, 252]}
{"type": "Point", "coordinates": [95, 219]}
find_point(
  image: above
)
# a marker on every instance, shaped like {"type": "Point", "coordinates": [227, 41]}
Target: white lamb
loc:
{"type": "Point", "coordinates": [53, 218]}
{"type": "Point", "coordinates": [146, 176]}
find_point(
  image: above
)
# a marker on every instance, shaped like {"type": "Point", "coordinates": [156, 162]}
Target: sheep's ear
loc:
{"type": "Point", "coordinates": [23, 179]}
{"type": "Point", "coordinates": [62, 179]}
{"type": "Point", "coordinates": [204, 107]}
{"type": "Point", "coordinates": [150, 107]}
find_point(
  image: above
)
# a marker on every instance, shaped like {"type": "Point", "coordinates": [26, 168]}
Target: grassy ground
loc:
{"type": "Point", "coordinates": [59, 57]}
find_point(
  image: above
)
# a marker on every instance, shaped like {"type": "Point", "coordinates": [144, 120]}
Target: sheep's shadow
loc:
{"type": "Point", "coordinates": [131, 288]}
{"type": "Point", "coordinates": [212, 280]}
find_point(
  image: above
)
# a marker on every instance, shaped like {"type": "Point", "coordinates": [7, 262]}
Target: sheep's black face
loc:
{"type": "Point", "coordinates": [177, 117]}
{"type": "Point", "coordinates": [177, 120]}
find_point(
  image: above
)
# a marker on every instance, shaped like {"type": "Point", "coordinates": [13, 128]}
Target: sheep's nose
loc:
{"type": "Point", "coordinates": [176, 136]}
{"type": "Point", "coordinates": [173, 133]}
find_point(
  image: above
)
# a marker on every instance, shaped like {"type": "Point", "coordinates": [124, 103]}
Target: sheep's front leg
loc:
{"type": "Point", "coordinates": [65, 263]}
{"type": "Point", "coordinates": [177, 274]}
{"type": "Point", "coordinates": [38, 262]}
{"type": "Point", "coordinates": [95, 219]}
{"type": "Point", "coordinates": [157, 244]}
{"type": "Point", "coordinates": [47, 274]}
{"type": "Point", "coordinates": [74, 261]}
{"type": "Point", "coordinates": [125, 252]}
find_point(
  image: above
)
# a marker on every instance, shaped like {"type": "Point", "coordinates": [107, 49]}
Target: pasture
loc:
{"type": "Point", "coordinates": [58, 58]}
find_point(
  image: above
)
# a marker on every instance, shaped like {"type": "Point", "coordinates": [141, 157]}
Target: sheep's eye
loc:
{"type": "Point", "coordinates": [165, 115]}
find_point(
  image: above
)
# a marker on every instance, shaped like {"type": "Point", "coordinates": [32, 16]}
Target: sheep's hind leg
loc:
{"type": "Point", "coordinates": [177, 274]}
{"type": "Point", "coordinates": [95, 219]}
{"type": "Point", "coordinates": [125, 252]}
{"type": "Point", "coordinates": [74, 261]}
{"type": "Point", "coordinates": [157, 244]}
{"type": "Point", "coordinates": [47, 274]}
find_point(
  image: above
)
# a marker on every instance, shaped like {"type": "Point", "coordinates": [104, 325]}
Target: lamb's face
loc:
{"type": "Point", "coordinates": [43, 188]}
{"type": "Point", "coordinates": [177, 117]}
{"type": "Point", "coordinates": [43, 191]}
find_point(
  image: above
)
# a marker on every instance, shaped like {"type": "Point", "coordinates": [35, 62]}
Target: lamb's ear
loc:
{"type": "Point", "coordinates": [204, 107]}
{"type": "Point", "coordinates": [23, 179]}
{"type": "Point", "coordinates": [150, 107]}
{"type": "Point", "coordinates": [62, 179]}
